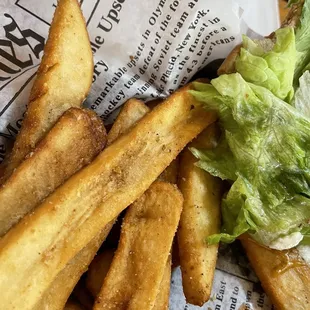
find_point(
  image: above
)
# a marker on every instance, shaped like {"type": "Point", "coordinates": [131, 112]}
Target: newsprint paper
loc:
{"type": "Point", "coordinates": [143, 49]}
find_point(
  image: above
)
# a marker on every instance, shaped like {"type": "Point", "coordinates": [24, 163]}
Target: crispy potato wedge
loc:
{"type": "Point", "coordinates": [82, 295]}
{"type": "Point", "coordinates": [97, 271]}
{"type": "Point", "coordinates": [59, 291]}
{"type": "Point", "coordinates": [132, 111]}
{"type": "Point", "coordinates": [64, 283]}
{"type": "Point", "coordinates": [134, 278]}
{"type": "Point", "coordinates": [63, 79]}
{"type": "Point", "coordinates": [162, 298]}
{"type": "Point", "coordinates": [200, 218]}
{"type": "Point", "coordinates": [283, 274]}
{"type": "Point", "coordinates": [99, 268]}
{"type": "Point", "coordinates": [78, 210]}
{"type": "Point", "coordinates": [77, 137]}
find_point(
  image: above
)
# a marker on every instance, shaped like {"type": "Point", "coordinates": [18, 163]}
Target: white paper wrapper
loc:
{"type": "Point", "coordinates": [144, 49]}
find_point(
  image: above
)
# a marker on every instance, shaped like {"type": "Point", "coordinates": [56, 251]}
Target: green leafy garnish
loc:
{"type": "Point", "coordinates": [270, 65]}
{"type": "Point", "coordinates": [265, 149]}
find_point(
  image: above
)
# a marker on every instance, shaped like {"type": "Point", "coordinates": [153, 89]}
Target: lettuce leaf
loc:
{"type": "Point", "coordinates": [265, 149]}
{"type": "Point", "coordinates": [301, 99]}
{"type": "Point", "coordinates": [270, 64]}
{"type": "Point", "coordinates": [306, 233]}
{"type": "Point", "coordinates": [302, 35]}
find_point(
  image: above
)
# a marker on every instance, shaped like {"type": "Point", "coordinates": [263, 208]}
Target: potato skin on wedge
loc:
{"type": "Point", "coordinates": [200, 218]}
{"type": "Point", "coordinates": [75, 140]}
{"type": "Point", "coordinates": [79, 209]}
{"type": "Point", "coordinates": [63, 79]}
{"type": "Point", "coordinates": [139, 268]}
{"type": "Point", "coordinates": [284, 275]}
{"type": "Point", "coordinates": [62, 286]}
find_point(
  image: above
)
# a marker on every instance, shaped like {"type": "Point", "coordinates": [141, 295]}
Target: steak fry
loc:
{"type": "Point", "coordinates": [63, 79]}
{"type": "Point", "coordinates": [64, 283]}
{"type": "Point", "coordinates": [77, 137]}
{"type": "Point", "coordinates": [59, 291]}
{"type": "Point", "coordinates": [97, 271]}
{"type": "Point", "coordinates": [138, 267]}
{"type": "Point", "coordinates": [162, 298]}
{"type": "Point", "coordinates": [78, 210]}
{"type": "Point", "coordinates": [132, 111]}
{"type": "Point", "coordinates": [200, 218]}
{"type": "Point", "coordinates": [283, 274]}
{"type": "Point", "coordinates": [99, 268]}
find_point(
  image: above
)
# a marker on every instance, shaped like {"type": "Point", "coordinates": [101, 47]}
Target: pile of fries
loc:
{"type": "Point", "coordinates": [67, 182]}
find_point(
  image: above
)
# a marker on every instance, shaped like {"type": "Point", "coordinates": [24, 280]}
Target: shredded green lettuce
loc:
{"type": "Point", "coordinates": [265, 152]}
{"type": "Point", "coordinates": [265, 145]}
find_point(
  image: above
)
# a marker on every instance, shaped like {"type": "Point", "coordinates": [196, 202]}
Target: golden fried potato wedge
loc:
{"type": "Point", "coordinates": [99, 268]}
{"type": "Point", "coordinates": [134, 278]}
{"type": "Point", "coordinates": [78, 210]}
{"type": "Point", "coordinates": [162, 298]}
{"type": "Point", "coordinates": [82, 295]}
{"type": "Point", "coordinates": [77, 137]}
{"type": "Point", "coordinates": [200, 218]}
{"type": "Point", "coordinates": [63, 79]}
{"type": "Point", "coordinates": [283, 274]}
{"type": "Point", "coordinates": [97, 271]}
{"type": "Point", "coordinates": [132, 111]}
{"type": "Point", "coordinates": [64, 283]}
{"type": "Point", "coordinates": [58, 292]}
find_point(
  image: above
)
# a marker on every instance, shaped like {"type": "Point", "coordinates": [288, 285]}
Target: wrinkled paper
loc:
{"type": "Point", "coordinates": [144, 49]}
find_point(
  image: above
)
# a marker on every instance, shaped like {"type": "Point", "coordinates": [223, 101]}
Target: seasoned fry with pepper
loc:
{"type": "Point", "coordinates": [132, 111]}
{"type": "Point", "coordinates": [134, 278]}
{"type": "Point", "coordinates": [284, 275]}
{"type": "Point", "coordinates": [63, 79]}
{"type": "Point", "coordinates": [200, 218]}
{"type": "Point", "coordinates": [78, 210]}
{"type": "Point", "coordinates": [75, 140]}
{"type": "Point", "coordinates": [64, 283]}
